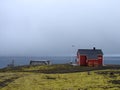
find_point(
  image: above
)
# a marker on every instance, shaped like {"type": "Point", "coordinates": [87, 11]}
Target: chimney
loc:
{"type": "Point", "coordinates": [94, 48]}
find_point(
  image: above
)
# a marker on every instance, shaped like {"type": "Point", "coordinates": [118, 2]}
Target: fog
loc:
{"type": "Point", "coordinates": [52, 27]}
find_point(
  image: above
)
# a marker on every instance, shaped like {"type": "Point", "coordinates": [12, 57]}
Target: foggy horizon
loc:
{"type": "Point", "coordinates": [51, 27]}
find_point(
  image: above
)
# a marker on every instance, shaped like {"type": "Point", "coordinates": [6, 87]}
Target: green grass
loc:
{"type": "Point", "coordinates": [97, 80]}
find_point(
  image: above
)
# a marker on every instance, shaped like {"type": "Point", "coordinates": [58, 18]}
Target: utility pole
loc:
{"type": "Point", "coordinates": [72, 53]}
{"type": "Point", "coordinates": [13, 62]}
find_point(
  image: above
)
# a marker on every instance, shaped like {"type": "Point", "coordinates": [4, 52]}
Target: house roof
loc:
{"type": "Point", "coordinates": [90, 53]}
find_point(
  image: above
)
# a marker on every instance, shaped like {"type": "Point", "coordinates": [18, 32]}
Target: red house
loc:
{"type": "Point", "coordinates": [90, 57]}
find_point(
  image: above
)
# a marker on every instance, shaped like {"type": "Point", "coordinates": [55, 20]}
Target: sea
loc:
{"type": "Point", "coordinates": [25, 60]}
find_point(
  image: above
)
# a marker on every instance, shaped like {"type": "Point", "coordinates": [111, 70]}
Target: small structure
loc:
{"type": "Point", "coordinates": [40, 62]}
{"type": "Point", "coordinates": [90, 57]}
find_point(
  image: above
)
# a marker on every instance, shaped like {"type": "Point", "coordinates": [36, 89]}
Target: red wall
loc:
{"type": "Point", "coordinates": [82, 61]}
{"type": "Point", "coordinates": [93, 63]}
{"type": "Point", "coordinates": [98, 62]}
{"type": "Point", "coordinates": [90, 63]}
{"type": "Point", "coordinates": [100, 58]}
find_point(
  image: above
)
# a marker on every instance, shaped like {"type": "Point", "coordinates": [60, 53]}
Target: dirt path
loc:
{"type": "Point", "coordinates": [7, 81]}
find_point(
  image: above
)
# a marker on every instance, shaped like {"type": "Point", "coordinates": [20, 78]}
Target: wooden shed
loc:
{"type": "Point", "coordinates": [90, 57]}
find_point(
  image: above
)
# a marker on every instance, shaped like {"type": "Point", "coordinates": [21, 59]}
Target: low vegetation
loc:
{"type": "Point", "coordinates": [60, 77]}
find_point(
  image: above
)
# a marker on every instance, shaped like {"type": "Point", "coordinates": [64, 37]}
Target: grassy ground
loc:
{"type": "Point", "coordinates": [35, 78]}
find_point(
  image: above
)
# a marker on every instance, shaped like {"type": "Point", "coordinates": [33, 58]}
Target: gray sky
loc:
{"type": "Point", "coordinates": [51, 27]}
